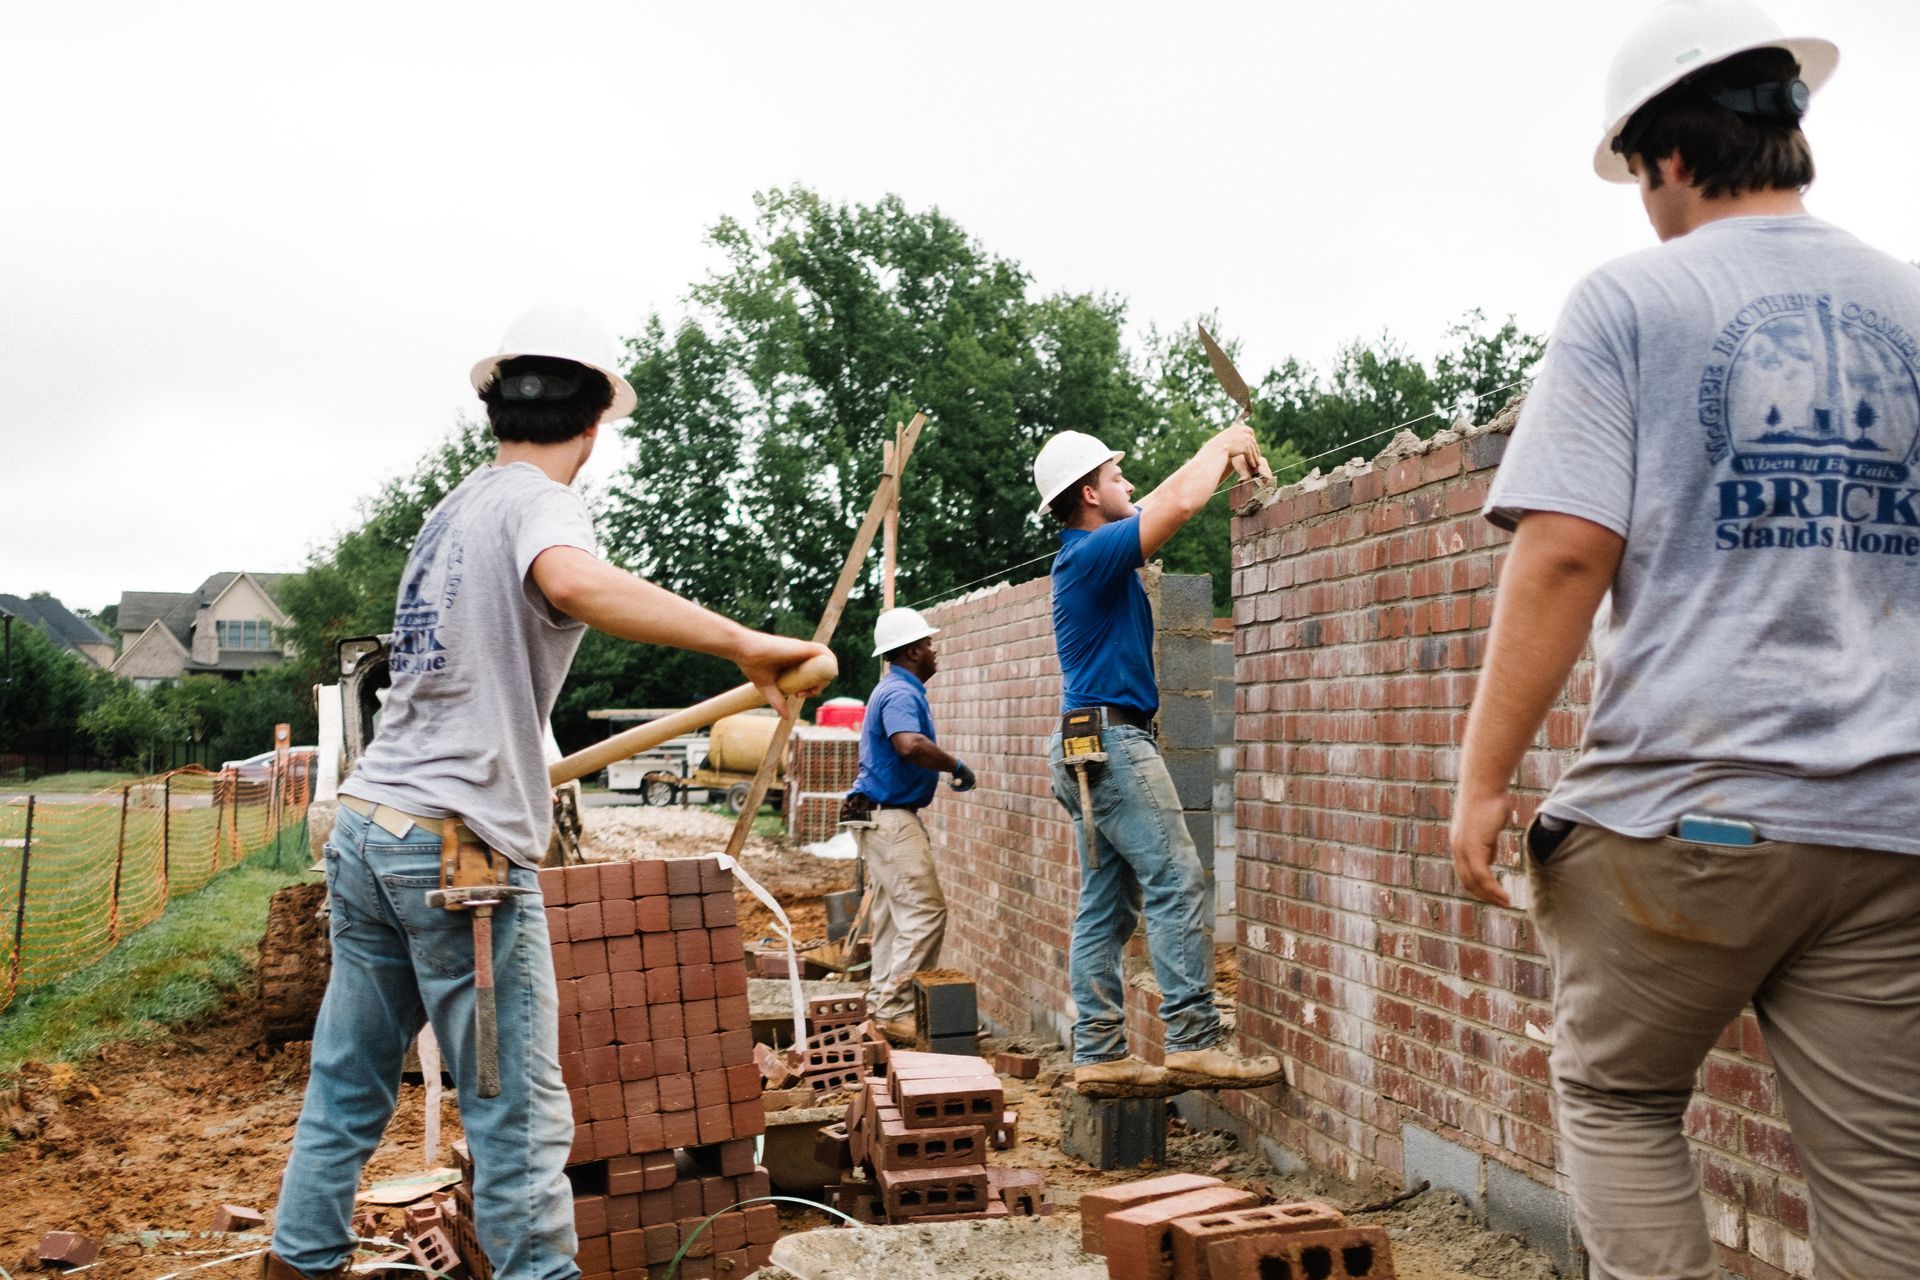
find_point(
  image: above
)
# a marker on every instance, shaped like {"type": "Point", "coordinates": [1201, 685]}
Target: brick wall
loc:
{"type": "Point", "coordinates": [1417, 1019]}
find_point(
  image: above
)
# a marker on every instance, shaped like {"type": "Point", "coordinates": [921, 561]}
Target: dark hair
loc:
{"type": "Point", "coordinates": [546, 421]}
{"type": "Point", "coordinates": [1066, 504]}
{"type": "Point", "coordinates": [1727, 153]}
{"type": "Point", "coordinates": [899, 654]}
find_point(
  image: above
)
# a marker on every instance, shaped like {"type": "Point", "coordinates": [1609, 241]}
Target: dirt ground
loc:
{"type": "Point", "coordinates": [156, 1138]}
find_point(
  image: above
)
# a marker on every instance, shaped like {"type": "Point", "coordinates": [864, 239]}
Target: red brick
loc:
{"type": "Point", "coordinates": [703, 1053]}
{"type": "Point", "coordinates": [749, 1118]}
{"type": "Point", "coordinates": [596, 1029]}
{"type": "Point", "coordinates": [743, 1083]}
{"type": "Point", "coordinates": [914, 1193]}
{"type": "Point", "coordinates": [729, 977]}
{"type": "Point", "coordinates": [1193, 1236]}
{"type": "Point", "coordinates": [594, 992]}
{"type": "Point", "coordinates": [625, 955]}
{"type": "Point", "coordinates": [1336, 1254]}
{"type": "Point", "coordinates": [635, 1061]}
{"type": "Point", "coordinates": [1021, 1066]}
{"type": "Point", "coordinates": [690, 947]}
{"type": "Point", "coordinates": [582, 884]}
{"type": "Point", "coordinates": [1096, 1205]}
{"type": "Point", "coordinates": [663, 1241]}
{"type": "Point", "coordinates": [719, 910]}
{"type": "Point", "coordinates": [584, 922]}
{"type": "Point", "coordinates": [702, 1018]}
{"type": "Point", "coordinates": [668, 1021]}
{"type": "Point", "coordinates": [604, 1102]}
{"type": "Point", "coordinates": [601, 1065]}
{"type": "Point", "coordinates": [627, 1249]}
{"type": "Point", "coordinates": [676, 1091]}
{"type": "Point", "coordinates": [629, 989]}
{"type": "Point", "coordinates": [556, 924]}
{"type": "Point", "coordinates": [683, 875]}
{"type": "Point", "coordinates": [553, 882]}
{"type": "Point", "coordinates": [679, 1128]}
{"type": "Point", "coordinates": [1139, 1240]}
{"type": "Point", "coordinates": [590, 1215]}
{"type": "Point", "coordinates": [663, 986]}
{"type": "Point", "coordinates": [696, 982]}
{"type": "Point", "coordinates": [615, 880]}
{"type": "Point", "coordinates": [684, 911]}
{"type": "Point", "coordinates": [649, 878]}
{"type": "Point", "coordinates": [623, 1212]}
{"type": "Point", "coordinates": [726, 944]}
{"type": "Point", "coordinates": [626, 1175]}
{"type": "Point", "coordinates": [631, 1025]}
{"type": "Point", "coordinates": [650, 916]}
{"type": "Point", "coordinates": [640, 1096]}
{"type": "Point", "coordinates": [659, 951]}
{"type": "Point", "coordinates": [892, 1145]}
{"type": "Point", "coordinates": [670, 1057]}
{"type": "Point", "coordinates": [933, 1102]}
{"type": "Point", "coordinates": [716, 1123]}
{"type": "Point", "coordinates": [617, 917]}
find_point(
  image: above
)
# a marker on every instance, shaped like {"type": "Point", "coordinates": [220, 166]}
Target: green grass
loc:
{"type": "Point", "coordinates": [767, 823]}
{"type": "Point", "coordinates": [78, 783]}
{"type": "Point", "coordinates": [175, 970]}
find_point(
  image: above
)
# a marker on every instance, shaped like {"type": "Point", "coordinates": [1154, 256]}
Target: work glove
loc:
{"type": "Point", "coordinates": [963, 779]}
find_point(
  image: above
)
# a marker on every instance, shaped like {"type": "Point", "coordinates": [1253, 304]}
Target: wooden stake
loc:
{"type": "Point", "coordinates": [890, 530]}
{"type": "Point", "coordinates": [883, 497]}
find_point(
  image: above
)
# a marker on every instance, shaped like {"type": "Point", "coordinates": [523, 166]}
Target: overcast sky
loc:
{"type": "Point", "coordinates": [249, 252]}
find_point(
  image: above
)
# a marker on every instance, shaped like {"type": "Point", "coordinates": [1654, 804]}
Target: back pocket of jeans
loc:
{"type": "Point", "coordinates": [440, 939]}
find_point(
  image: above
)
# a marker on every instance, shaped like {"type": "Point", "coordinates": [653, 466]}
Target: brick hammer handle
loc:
{"type": "Point", "coordinates": [815, 673]}
{"type": "Point", "coordinates": [486, 1033]}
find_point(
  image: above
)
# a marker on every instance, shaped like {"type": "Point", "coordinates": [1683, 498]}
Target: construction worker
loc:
{"type": "Point", "coordinates": [1140, 856]}
{"type": "Point", "coordinates": [1722, 436]}
{"type": "Point", "coordinates": [499, 587]}
{"type": "Point", "coordinates": [900, 768]}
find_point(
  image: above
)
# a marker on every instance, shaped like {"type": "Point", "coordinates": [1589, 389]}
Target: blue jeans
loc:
{"type": "Point", "coordinates": [398, 963]}
{"type": "Point", "coordinates": [1147, 859]}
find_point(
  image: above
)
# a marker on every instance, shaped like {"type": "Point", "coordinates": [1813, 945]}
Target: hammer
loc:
{"type": "Point", "coordinates": [481, 900]}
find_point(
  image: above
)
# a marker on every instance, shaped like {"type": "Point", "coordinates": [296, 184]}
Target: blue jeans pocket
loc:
{"type": "Point", "coordinates": [440, 939]}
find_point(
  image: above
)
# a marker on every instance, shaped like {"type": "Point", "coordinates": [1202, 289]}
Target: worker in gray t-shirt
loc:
{"type": "Point", "coordinates": [1722, 438]}
{"type": "Point", "coordinates": [501, 584]}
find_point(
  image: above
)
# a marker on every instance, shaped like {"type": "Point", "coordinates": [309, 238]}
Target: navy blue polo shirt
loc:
{"type": "Point", "coordinates": [1102, 623]}
{"type": "Point", "coordinates": [898, 705]}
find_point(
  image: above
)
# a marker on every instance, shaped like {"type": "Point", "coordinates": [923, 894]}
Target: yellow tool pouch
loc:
{"type": "Point", "coordinates": [465, 860]}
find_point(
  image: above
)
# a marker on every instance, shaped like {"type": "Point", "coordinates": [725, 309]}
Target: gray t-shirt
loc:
{"type": "Point", "coordinates": [1741, 404]}
{"type": "Point", "coordinates": [478, 659]}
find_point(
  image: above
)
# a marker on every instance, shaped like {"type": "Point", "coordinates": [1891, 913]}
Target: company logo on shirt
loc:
{"type": "Point", "coordinates": [1812, 403]}
{"type": "Point", "coordinates": [432, 584]}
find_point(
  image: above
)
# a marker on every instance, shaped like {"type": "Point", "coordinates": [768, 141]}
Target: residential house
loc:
{"type": "Point", "coordinates": [65, 628]}
{"type": "Point", "coordinates": [227, 627]}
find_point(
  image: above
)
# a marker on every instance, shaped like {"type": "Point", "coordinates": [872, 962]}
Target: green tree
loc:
{"type": "Point", "coordinates": [762, 416]}
{"type": "Point", "coordinates": [50, 690]}
{"type": "Point", "coordinates": [131, 727]}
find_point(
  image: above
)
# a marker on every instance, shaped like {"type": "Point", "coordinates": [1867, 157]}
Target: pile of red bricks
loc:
{"type": "Point", "coordinates": [822, 764]}
{"type": "Point", "coordinates": [656, 1052]}
{"type": "Point", "coordinates": [834, 1055]}
{"type": "Point", "coordinates": [1184, 1226]}
{"type": "Point", "coordinates": [917, 1136]}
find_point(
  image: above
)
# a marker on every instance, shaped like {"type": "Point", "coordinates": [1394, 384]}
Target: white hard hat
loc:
{"type": "Point", "coordinates": [1064, 458]}
{"type": "Point", "coordinates": [898, 627]}
{"type": "Point", "coordinates": [1676, 40]}
{"type": "Point", "coordinates": [567, 333]}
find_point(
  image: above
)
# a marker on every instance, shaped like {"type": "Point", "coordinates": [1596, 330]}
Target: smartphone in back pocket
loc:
{"type": "Point", "coordinates": [1698, 828]}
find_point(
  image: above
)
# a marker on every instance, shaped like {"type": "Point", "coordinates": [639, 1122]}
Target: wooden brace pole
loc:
{"type": "Point", "coordinates": [883, 498]}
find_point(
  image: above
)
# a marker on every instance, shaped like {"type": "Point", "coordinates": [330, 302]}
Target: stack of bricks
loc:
{"type": "Point", "coordinates": [917, 1135]}
{"type": "Point", "coordinates": [1184, 1226]}
{"type": "Point", "coordinates": [822, 764]}
{"type": "Point", "coordinates": [656, 1052]}
{"type": "Point", "coordinates": [834, 1055]}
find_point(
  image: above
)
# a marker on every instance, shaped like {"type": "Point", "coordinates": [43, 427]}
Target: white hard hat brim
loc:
{"type": "Point", "coordinates": [881, 650]}
{"type": "Point", "coordinates": [1047, 499]}
{"type": "Point", "coordinates": [624, 400]}
{"type": "Point", "coordinates": [1817, 58]}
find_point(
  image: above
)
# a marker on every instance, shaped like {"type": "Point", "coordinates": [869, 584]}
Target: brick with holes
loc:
{"type": "Point", "coordinates": [914, 1193]}
{"type": "Point", "coordinates": [892, 1145]}
{"type": "Point", "coordinates": [1192, 1237]}
{"type": "Point", "coordinates": [1341, 1253]}
{"type": "Point", "coordinates": [433, 1250]}
{"type": "Point", "coordinates": [1139, 1240]}
{"type": "Point", "coordinates": [836, 1010]}
{"type": "Point", "coordinates": [931, 1102]}
{"type": "Point", "coordinates": [1022, 1191]}
{"type": "Point", "coordinates": [1096, 1206]}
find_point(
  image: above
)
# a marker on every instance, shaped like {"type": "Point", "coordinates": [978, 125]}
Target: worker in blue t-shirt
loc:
{"type": "Point", "coordinates": [1141, 856]}
{"type": "Point", "coordinates": [900, 768]}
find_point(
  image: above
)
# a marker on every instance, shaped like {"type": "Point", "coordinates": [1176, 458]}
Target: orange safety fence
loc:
{"type": "Point", "coordinates": [80, 872]}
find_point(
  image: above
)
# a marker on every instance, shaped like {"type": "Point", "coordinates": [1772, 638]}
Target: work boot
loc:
{"type": "Point", "coordinates": [1217, 1067]}
{"type": "Point", "coordinates": [1122, 1077]}
{"type": "Point", "coordinates": [273, 1268]}
{"type": "Point", "coordinates": [901, 1033]}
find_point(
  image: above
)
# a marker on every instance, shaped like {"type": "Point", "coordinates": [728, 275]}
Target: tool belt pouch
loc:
{"type": "Point", "coordinates": [1083, 737]}
{"type": "Point", "coordinates": [466, 861]}
{"type": "Point", "coordinates": [856, 810]}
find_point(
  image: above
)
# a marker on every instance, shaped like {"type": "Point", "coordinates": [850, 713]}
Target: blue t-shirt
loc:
{"type": "Point", "coordinates": [1102, 623]}
{"type": "Point", "coordinates": [898, 705]}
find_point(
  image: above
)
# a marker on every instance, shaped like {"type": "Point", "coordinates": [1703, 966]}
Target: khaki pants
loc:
{"type": "Point", "coordinates": [1656, 945]}
{"type": "Point", "coordinates": [908, 910]}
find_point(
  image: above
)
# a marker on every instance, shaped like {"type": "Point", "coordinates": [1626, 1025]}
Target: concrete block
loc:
{"type": "Point", "coordinates": [946, 1008]}
{"type": "Point", "coordinates": [1540, 1215]}
{"type": "Point", "coordinates": [1223, 661]}
{"type": "Point", "coordinates": [1185, 603]}
{"type": "Point", "coordinates": [1186, 720]}
{"type": "Point", "coordinates": [1447, 1165]}
{"type": "Point", "coordinates": [1113, 1133]}
{"type": "Point", "coordinates": [1192, 772]}
{"type": "Point", "coordinates": [1184, 665]}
